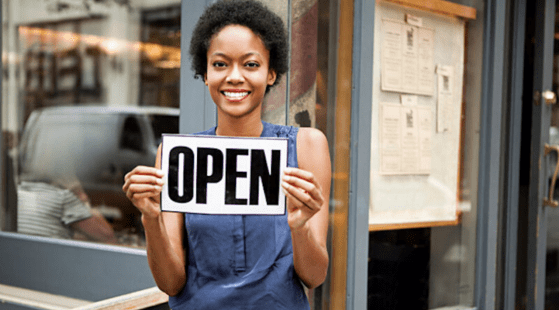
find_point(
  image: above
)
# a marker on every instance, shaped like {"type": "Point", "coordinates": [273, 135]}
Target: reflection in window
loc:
{"type": "Point", "coordinates": [163, 124]}
{"type": "Point", "coordinates": [160, 67]}
{"type": "Point", "coordinates": [59, 67]}
{"type": "Point", "coordinates": [83, 87]}
{"type": "Point", "coordinates": [131, 137]}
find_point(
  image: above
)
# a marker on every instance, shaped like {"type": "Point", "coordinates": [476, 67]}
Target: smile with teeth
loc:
{"type": "Point", "coordinates": [235, 95]}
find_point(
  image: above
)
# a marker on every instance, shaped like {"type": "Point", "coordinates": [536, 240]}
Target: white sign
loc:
{"type": "Point", "coordinates": [405, 139]}
{"type": "Point", "coordinates": [445, 99]}
{"type": "Point", "coordinates": [407, 58]}
{"type": "Point", "coordinates": [223, 175]}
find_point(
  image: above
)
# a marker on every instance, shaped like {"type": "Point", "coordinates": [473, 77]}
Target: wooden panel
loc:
{"type": "Point", "coordinates": [439, 7]}
{"type": "Point", "coordinates": [40, 300]}
{"type": "Point", "coordinates": [341, 168]}
{"type": "Point", "coordinates": [137, 300]}
{"type": "Point", "coordinates": [37, 300]}
{"type": "Point", "coordinates": [379, 227]}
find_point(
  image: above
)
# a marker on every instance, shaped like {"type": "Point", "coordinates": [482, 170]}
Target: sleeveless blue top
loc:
{"type": "Point", "coordinates": [242, 261]}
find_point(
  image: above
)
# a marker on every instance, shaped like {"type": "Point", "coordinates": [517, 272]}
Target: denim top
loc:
{"type": "Point", "coordinates": [242, 261]}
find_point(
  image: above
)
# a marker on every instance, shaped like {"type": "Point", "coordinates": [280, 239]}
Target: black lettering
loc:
{"type": "Point", "coordinates": [231, 175]}
{"type": "Point", "coordinates": [188, 174]}
{"type": "Point", "coordinates": [270, 178]}
{"type": "Point", "coordinates": [202, 177]}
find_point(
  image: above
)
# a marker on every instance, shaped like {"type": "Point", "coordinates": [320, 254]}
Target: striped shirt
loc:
{"type": "Point", "coordinates": [47, 210]}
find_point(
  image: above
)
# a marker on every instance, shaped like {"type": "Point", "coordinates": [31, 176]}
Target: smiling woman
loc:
{"type": "Point", "coordinates": [241, 261]}
{"type": "Point", "coordinates": [238, 73]}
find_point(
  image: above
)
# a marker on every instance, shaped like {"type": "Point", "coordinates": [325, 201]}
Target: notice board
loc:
{"type": "Point", "coordinates": [416, 116]}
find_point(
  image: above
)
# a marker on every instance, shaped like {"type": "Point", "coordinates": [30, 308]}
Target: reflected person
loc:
{"type": "Point", "coordinates": [58, 208]}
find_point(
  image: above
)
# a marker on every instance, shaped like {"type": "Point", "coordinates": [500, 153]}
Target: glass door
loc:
{"type": "Point", "coordinates": [552, 221]}
{"type": "Point", "coordinates": [538, 226]}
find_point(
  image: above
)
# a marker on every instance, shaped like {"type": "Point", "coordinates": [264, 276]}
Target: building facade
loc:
{"type": "Point", "coordinates": [440, 115]}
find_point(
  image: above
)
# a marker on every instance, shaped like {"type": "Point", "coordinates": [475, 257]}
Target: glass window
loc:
{"type": "Point", "coordinates": [88, 89]}
{"type": "Point", "coordinates": [427, 264]}
{"type": "Point", "coordinates": [131, 136]}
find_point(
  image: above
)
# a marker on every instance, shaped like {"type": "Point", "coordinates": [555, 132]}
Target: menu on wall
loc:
{"type": "Point", "coordinates": [405, 139]}
{"type": "Point", "coordinates": [445, 98]}
{"type": "Point", "coordinates": [407, 58]}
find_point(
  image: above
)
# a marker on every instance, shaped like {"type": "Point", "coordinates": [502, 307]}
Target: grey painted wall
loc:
{"type": "Point", "coordinates": [74, 269]}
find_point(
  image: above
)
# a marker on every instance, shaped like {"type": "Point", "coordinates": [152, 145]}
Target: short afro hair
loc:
{"type": "Point", "coordinates": [251, 14]}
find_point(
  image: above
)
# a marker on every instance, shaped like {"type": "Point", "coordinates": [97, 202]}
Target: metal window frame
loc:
{"type": "Point", "coordinates": [361, 111]}
{"type": "Point", "coordinates": [197, 110]}
{"type": "Point", "coordinates": [490, 154]}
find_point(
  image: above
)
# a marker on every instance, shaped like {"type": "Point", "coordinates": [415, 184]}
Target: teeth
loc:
{"type": "Point", "coordinates": [235, 95]}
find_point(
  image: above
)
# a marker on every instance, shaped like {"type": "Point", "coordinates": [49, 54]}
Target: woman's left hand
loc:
{"type": "Point", "coordinates": [304, 196]}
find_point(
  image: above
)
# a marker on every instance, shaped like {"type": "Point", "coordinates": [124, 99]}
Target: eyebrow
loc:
{"type": "Point", "coordinates": [244, 56]}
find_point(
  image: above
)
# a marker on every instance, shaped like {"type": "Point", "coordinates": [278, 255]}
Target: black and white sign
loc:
{"type": "Point", "coordinates": [223, 175]}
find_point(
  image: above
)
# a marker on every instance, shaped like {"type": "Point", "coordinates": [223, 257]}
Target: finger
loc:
{"type": "Point", "coordinates": [137, 196]}
{"type": "Point", "coordinates": [146, 179]}
{"type": "Point", "coordinates": [300, 198]}
{"type": "Point", "coordinates": [294, 203]}
{"type": "Point", "coordinates": [143, 188]}
{"type": "Point", "coordinates": [311, 188]}
{"type": "Point", "coordinates": [144, 170]}
{"type": "Point", "coordinates": [300, 173]}
{"type": "Point", "coordinates": [142, 179]}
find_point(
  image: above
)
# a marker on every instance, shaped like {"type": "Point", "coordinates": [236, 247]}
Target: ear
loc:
{"type": "Point", "coordinates": [271, 77]}
{"type": "Point", "coordinates": [206, 79]}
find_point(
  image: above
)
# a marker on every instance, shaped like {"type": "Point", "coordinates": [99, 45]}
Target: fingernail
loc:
{"type": "Point", "coordinates": [286, 178]}
{"type": "Point", "coordinates": [160, 172]}
{"type": "Point", "coordinates": [287, 170]}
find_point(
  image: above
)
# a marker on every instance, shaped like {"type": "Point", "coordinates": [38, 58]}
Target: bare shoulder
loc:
{"type": "Point", "coordinates": [310, 137]}
{"type": "Point", "coordinates": [312, 148]}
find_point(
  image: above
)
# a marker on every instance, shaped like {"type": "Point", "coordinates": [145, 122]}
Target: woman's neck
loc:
{"type": "Point", "coordinates": [249, 126]}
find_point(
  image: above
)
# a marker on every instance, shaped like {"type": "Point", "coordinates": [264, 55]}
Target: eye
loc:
{"type": "Point", "coordinates": [252, 64]}
{"type": "Point", "coordinates": [218, 64]}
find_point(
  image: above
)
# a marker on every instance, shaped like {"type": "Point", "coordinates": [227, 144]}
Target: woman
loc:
{"type": "Point", "coordinates": [202, 261]}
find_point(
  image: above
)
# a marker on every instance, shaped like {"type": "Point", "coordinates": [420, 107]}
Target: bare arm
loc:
{"type": "Point", "coordinates": [164, 230]}
{"type": "Point", "coordinates": [95, 228]}
{"type": "Point", "coordinates": [308, 190]}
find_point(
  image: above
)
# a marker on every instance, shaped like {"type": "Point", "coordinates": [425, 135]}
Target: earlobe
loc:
{"type": "Point", "coordinates": [206, 79]}
{"type": "Point", "coordinates": [271, 77]}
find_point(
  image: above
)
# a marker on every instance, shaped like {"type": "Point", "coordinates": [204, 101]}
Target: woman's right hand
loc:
{"type": "Point", "coordinates": [143, 187]}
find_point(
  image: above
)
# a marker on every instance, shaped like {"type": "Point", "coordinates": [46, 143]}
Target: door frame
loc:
{"type": "Point", "coordinates": [490, 155]}
{"type": "Point", "coordinates": [510, 213]}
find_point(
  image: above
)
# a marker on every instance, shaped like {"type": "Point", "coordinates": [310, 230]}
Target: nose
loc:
{"type": "Point", "coordinates": [235, 75]}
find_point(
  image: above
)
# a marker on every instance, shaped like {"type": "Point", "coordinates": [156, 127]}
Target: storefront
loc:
{"type": "Point", "coordinates": [441, 118]}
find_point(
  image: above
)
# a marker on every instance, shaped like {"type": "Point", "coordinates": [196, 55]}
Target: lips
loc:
{"type": "Point", "coordinates": [235, 95]}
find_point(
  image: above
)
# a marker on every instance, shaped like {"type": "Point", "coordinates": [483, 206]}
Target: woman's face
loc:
{"type": "Point", "coordinates": [238, 73]}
